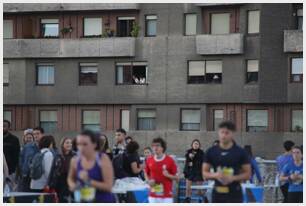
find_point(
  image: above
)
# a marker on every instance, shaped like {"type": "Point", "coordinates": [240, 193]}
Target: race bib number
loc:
{"type": "Point", "coordinates": [222, 189]}
{"type": "Point", "coordinates": [88, 194]}
{"type": "Point", "coordinates": [158, 189]}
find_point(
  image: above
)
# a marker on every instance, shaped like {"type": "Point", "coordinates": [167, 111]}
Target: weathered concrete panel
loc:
{"type": "Point", "coordinates": [208, 44]}
{"type": "Point", "coordinates": [293, 41]}
{"type": "Point", "coordinates": [38, 7]}
{"type": "Point", "coordinates": [95, 47]}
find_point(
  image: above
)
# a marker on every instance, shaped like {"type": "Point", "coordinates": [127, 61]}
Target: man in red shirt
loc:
{"type": "Point", "coordinates": [160, 171]}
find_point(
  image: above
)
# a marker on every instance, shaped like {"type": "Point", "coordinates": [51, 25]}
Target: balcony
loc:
{"type": "Point", "coordinates": [37, 7]}
{"type": "Point", "coordinates": [210, 44]}
{"type": "Point", "coordinates": [90, 47]}
{"type": "Point", "coordinates": [293, 41]}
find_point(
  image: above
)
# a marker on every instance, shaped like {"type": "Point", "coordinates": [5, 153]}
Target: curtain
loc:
{"type": "Point", "coordinates": [190, 24]}
{"type": "Point", "coordinates": [46, 74]}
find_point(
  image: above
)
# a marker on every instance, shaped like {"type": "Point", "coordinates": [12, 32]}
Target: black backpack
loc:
{"type": "Point", "coordinates": [118, 165]}
{"type": "Point", "coordinates": [55, 172]}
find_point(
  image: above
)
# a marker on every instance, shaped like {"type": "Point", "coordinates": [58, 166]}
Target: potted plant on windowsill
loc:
{"type": "Point", "coordinates": [135, 30]}
{"type": "Point", "coordinates": [66, 30]}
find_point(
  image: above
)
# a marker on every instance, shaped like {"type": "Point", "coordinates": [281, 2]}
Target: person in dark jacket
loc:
{"type": "Point", "coordinates": [66, 153]}
{"type": "Point", "coordinates": [11, 147]}
{"type": "Point", "coordinates": [193, 167]}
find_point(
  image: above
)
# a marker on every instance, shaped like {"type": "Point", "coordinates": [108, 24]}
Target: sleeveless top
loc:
{"type": "Point", "coordinates": [95, 174]}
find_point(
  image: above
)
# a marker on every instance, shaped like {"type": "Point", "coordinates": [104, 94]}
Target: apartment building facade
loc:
{"type": "Point", "coordinates": [169, 70]}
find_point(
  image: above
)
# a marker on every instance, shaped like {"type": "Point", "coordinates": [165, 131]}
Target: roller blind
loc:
{"type": "Point", "coordinates": [190, 24]}
{"type": "Point", "coordinates": [45, 74]}
{"type": "Point", "coordinates": [196, 68]}
{"type": "Point", "coordinates": [125, 119]}
{"type": "Point", "coordinates": [7, 29]}
{"type": "Point", "coordinates": [49, 21]}
{"type": "Point", "coordinates": [252, 65]}
{"type": "Point", "coordinates": [300, 12]}
{"type": "Point", "coordinates": [48, 116]}
{"type": "Point", "coordinates": [218, 114]}
{"type": "Point", "coordinates": [213, 66]}
{"type": "Point", "coordinates": [126, 18]}
{"type": "Point", "coordinates": [7, 115]}
{"type": "Point", "coordinates": [220, 23]}
{"type": "Point", "coordinates": [253, 21]}
{"type": "Point", "coordinates": [92, 26]}
{"type": "Point", "coordinates": [146, 113]}
{"type": "Point", "coordinates": [258, 118]}
{"type": "Point", "coordinates": [297, 119]}
{"type": "Point", "coordinates": [91, 117]}
{"type": "Point", "coordinates": [191, 116]}
{"type": "Point", "coordinates": [297, 65]}
{"type": "Point", "coordinates": [151, 17]}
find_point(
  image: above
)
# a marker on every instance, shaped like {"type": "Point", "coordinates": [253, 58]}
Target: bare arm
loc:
{"type": "Point", "coordinates": [71, 179]}
{"type": "Point", "coordinates": [108, 175]}
{"type": "Point", "coordinates": [244, 175]}
{"type": "Point", "coordinates": [207, 174]}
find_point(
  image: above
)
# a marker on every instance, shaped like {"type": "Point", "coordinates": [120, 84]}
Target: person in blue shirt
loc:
{"type": "Point", "coordinates": [293, 173]}
{"type": "Point", "coordinates": [281, 161]}
{"type": "Point", "coordinates": [254, 165]}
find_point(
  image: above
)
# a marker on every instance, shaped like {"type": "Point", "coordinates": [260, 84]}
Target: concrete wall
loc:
{"type": "Point", "coordinates": [293, 41]}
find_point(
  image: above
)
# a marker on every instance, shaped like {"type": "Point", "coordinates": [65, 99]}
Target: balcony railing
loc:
{"type": "Point", "coordinates": [93, 47]}
{"type": "Point", "coordinates": [210, 44]}
{"type": "Point", "coordinates": [36, 7]}
{"type": "Point", "coordinates": [293, 41]}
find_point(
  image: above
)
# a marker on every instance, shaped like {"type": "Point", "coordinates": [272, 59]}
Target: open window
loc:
{"type": "Point", "coordinates": [297, 69]}
{"type": "Point", "coordinates": [49, 28]}
{"type": "Point", "coordinates": [125, 26]}
{"type": "Point", "coordinates": [252, 71]}
{"type": "Point", "coordinates": [200, 72]}
{"type": "Point", "coordinates": [131, 73]}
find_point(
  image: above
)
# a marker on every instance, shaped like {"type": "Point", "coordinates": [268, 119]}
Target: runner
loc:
{"type": "Point", "coordinates": [91, 173]}
{"type": "Point", "coordinates": [160, 171]}
{"type": "Point", "coordinates": [231, 166]}
{"type": "Point", "coordinates": [281, 161]}
{"type": "Point", "coordinates": [293, 173]}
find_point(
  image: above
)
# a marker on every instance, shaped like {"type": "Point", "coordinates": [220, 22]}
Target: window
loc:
{"type": "Point", "coordinates": [151, 21]}
{"type": "Point", "coordinates": [220, 23]}
{"type": "Point", "coordinates": [296, 69]}
{"type": "Point", "coordinates": [300, 19]}
{"type": "Point", "coordinates": [6, 74]}
{"type": "Point", "coordinates": [209, 71]}
{"type": "Point", "coordinates": [218, 118]}
{"type": "Point", "coordinates": [125, 119]}
{"type": "Point", "coordinates": [7, 115]}
{"type": "Point", "coordinates": [88, 74]}
{"type": "Point", "coordinates": [190, 119]}
{"type": "Point", "coordinates": [48, 121]}
{"type": "Point", "coordinates": [297, 121]}
{"type": "Point", "coordinates": [190, 24]}
{"type": "Point", "coordinates": [8, 30]}
{"type": "Point", "coordinates": [92, 27]}
{"type": "Point", "coordinates": [45, 74]}
{"type": "Point", "coordinates": [146, 119]}
{"type": "Point", "coordinates": [91, 120]}
{"type": "Point", "coordinates": [257, 120]}
{"type": "Point", "coordinates": [253, 21]}
{"type": "Point", "coordinates": [125, 26]}
{"type": "Point", "coordinates": [49, 28]}
{"type": "Point", "coordinates": [252, 71]}
{"type": "Point", "coordinates": [131, 73]}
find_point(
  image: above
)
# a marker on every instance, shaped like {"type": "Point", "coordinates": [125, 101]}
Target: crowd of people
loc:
{"type": "Point", "coordinates": [84, 168]}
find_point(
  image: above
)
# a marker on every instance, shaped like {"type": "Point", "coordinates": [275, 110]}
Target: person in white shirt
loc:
{"type": "Point", "coordinates": [45, 146]}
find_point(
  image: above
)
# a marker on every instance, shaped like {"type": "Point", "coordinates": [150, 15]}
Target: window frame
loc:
{"type": "Point", "coordinates": [13, 25]}
{"type": "Point", "coordinates": [247, 22]}
{"type": "Point", "coordinates": [246, 74]}
{"type": "Point", "coordinates": [291, 119]}
{"type": "Point", "coordinates": [131, 71]}
{"type": "Point", "coordinates": [290, 72]}
{"type": "Point", "coordinates": [5, 84]}
{"type": "Point", "coordinates": [181, 118]}
{"type": "Point", "coordinates": [137, 119]}
{"type": "Point", "coordinates": [121, 117]}
{"type": "Point", "coordinates": [82, 118]}
{"type": "Point", "coordinates": [184, 28]}
{"type": "Point", "coordinates": [247, 119]}
{"type": "Point", "coordinates": [117, 25]}
{"type": "Point", "coordinates": [220, 12]}
{"type": "Point", "coordinates": [48, 110]}
{"type": "Point", "coordinates": [215, 127]}
{"type": "Point", "coordinates": [11, 111]}
{"type": "Point", "coordinates": [83, 27]}
{"type": "Point", "coordinates": [41, 28]}
{"type": "Point", "coordinates": [37, 73]}
{"type": "Point", "coordinates": [80, 69]}
{"type": "Point", "coordinates": [146, 24]}
{"type": "Point", "coordinates": [205, 77]}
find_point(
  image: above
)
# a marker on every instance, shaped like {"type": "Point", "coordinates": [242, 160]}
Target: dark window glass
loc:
{"type": "Point", "coordinates": [125, 26]}
{"type": "Point", "coordinates": [88, 74]}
